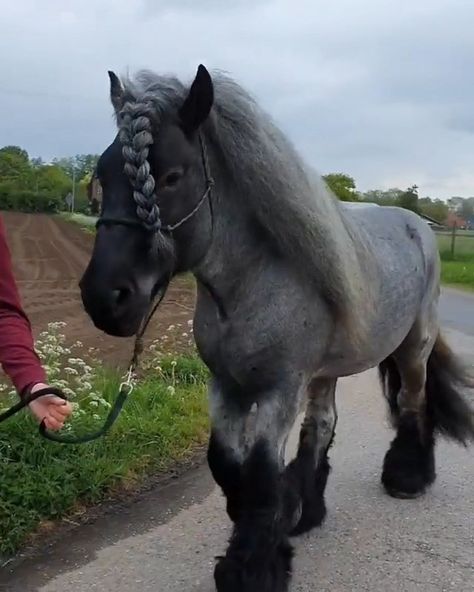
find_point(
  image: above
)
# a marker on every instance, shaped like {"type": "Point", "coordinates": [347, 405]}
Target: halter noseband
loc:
{"type": "Point", "coordinates": [136, 222]}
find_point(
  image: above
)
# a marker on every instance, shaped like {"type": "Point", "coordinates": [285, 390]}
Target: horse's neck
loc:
{"type": "Point", "coordinates": [235, 250]}
{"type": "Point", "coordinates": [241, 252]}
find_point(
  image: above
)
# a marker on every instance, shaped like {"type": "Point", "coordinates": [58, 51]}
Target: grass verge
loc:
{"type": "Point", "coordinates": [164, 421]}
{"type": "Point", "coordinates": [458, 271]}
{"type": "Point", "coordinates": [87, 223]}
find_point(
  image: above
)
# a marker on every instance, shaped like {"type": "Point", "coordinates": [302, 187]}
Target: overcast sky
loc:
{"type": "Point", "coordinates": [381, 90]}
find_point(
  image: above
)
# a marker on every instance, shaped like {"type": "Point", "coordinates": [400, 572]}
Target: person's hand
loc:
{"type": "Point", "coordinates": [51, 408]}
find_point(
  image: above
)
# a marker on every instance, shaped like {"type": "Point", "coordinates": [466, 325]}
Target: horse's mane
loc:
{"type": "Point", "coordinates": [289, 200]}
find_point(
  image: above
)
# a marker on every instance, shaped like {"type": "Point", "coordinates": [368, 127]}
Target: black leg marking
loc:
{"type": "Point", "coordinates": [259, 555]}
{"type": "Point", "coordinates": [307, 475]}
{"type": "Point", "coordinates": [409, 465]}
{"type": "Point", "coordinates": [226, 471]}
{"type": "Point", "coordinates": [312, 483]}
{"type": "Point", "coordinates": [308, 482]}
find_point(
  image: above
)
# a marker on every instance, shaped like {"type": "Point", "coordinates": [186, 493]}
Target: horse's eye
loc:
{"type": "Point", "coordinates": [171, 179]}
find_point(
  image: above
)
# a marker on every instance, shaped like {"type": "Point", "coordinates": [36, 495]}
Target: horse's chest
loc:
{"type": "Point", "coordinates": [247, 355]}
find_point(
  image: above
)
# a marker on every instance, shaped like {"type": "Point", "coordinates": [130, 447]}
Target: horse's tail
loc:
{"type": "Point", "coordinates": [447, 384]}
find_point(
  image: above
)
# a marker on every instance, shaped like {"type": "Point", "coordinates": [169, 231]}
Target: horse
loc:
{"type": "Point", "coordinates": [294, 290]}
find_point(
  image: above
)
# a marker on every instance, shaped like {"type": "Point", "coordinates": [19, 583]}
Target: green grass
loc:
{"type": "Point", "coordinates": [164, 420]}
{"type": "Point", "coordinates": [463, 245]}
{"type": "Point", "coordinates": [87, 223]}
{"type": "Point", "coordinates": [457, 270]}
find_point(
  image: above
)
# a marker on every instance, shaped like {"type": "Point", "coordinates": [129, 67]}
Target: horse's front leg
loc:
{"type": "Point", "coordinates": [259, 555]}
{"type": "Point", "coordinates": [227, 444]}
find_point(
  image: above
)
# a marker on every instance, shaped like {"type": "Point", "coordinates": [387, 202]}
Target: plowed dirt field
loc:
{"type": "Point", "coordinates": [49, 257]}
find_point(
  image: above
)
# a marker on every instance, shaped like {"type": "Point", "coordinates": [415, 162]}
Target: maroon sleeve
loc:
{"type": "Point", "coordinates": [17, 354]}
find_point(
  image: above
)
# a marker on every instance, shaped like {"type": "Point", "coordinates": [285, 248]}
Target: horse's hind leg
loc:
{"type": "Point", "coordinates": [307, 474]}
{"type": "Point", "coordinates": [409, 465]}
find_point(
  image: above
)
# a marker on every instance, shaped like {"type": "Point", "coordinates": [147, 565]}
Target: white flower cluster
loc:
{"type": "Point", "coordinates": [67, 370]}
{"type": "Point", "coordinates": [177, 339]}
{"type": "Point", "coordinates": [79, 379]}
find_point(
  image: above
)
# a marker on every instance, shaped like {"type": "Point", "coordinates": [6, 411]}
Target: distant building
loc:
{"type": "Point", "coordinates": [455, 204]}
{"type": "Point", "coordinates": [455, 221]}
{"type": "Point", "coordinates": [94, 193]}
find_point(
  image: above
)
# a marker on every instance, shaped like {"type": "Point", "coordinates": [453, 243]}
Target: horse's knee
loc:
{"type": "Point", "coordinates": [412, 371]}
{"type": "Point", "coordinates": [320, 421]}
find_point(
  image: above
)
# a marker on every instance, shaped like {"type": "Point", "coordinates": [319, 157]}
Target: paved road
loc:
{"type": "Point", "coordinates": [457, 310]}
{"type": "Point", "coordinates": [166, 543]}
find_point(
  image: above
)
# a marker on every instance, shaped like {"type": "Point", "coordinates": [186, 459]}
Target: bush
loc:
{"type": "Point", "coordinates": [29, 201]}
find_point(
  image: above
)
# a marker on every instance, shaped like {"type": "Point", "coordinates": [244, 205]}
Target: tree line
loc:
{"type": "Point", "coordinates": [29, 184]}
{"type": "Point", "coordinates": [344, 187]}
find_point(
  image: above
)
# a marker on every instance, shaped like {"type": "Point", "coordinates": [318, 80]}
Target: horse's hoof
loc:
{"type": "Point", "coordinates": [227, 575]}
{"type": "Point", "coordinates": [270, 575]}
{"type": "Point", "coordinates": [408, 474]}
{"type": "Point", "coordinates": [313, 515]}
{"type": "Point", "coordinates": [404, 495]}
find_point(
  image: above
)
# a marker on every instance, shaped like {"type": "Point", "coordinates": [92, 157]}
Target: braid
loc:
{"type": "Point", "coordinates": [135, 134]}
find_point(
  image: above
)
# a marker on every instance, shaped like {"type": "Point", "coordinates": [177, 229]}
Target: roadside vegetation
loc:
{"type": "Point", "coordinates": [457, 264]}
{"type": "Point", "coordinates": [163, 422]}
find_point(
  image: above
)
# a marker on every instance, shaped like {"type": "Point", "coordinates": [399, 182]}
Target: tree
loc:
{"type": "Point", "coordinates": [86, 163]}
{"type": "Point", "coordinates": [455, 204]}
{"type": "Point", "coordinates": [37, 162]}
{"type": "Point", "coordinates": [15, 151]}
{"type": "Point", "coordinates": [386, 197]}
{"type": "Point", "coordinates": [15, 168]}
{"type": "Point", "coordinates": [343, 186]}
{"type": "Point", "coordinates": [67, 164]}
{"type": "Point", "coordinates": [436, 209]}
{"type": "Point", "coordinates": [409, 199]}
{"type": "Point", "coordinates": [82, 164]}
{"type": "Point", "coordinates": [52, 179]}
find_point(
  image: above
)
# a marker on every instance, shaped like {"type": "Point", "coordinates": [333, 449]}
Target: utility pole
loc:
{"type": "Point", "coordinates": [73, 187]}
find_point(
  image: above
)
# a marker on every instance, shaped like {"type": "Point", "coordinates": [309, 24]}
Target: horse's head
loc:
{"type": "Point", "coordinates": [154, 179]}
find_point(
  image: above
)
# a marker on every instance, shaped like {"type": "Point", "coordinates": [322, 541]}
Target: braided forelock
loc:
{"type": "Point", "coordinates": [135, 133]}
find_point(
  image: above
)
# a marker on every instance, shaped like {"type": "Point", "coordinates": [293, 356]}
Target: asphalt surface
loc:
{"type": "Point", "coordinates": [168, 540]}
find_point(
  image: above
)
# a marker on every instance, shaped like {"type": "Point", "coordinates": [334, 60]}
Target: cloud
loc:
{"type": "Point", "coordinates": [377, 89]}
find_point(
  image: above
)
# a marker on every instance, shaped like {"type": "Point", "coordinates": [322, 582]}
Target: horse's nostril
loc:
{"type": "Point", "coordinates": [120, 296]}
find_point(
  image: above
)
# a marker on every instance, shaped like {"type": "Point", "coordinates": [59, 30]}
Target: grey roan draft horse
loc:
{"type": "Point", "coordinates": [294, 290]}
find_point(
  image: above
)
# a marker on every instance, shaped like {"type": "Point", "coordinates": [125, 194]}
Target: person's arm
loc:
{"type": "Point", "coordinates": [17, 354]}
{"type": "Point", "coordinates": [18, 357]}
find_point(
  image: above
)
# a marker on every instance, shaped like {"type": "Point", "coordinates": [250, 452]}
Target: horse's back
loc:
{"type": "Point", "coordinates": [400, 262]}
{"type": "Point", "coordinates": [395, 236]}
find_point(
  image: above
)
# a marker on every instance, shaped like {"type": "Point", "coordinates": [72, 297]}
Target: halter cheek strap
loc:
{"type": "Point", "coordinates": [135, 222]}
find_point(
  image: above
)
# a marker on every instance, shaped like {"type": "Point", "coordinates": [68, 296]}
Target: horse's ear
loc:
{"type": "Point", "coordinates": [116, 91]}
{"type": "Point", "coordinates": [198, 103]}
